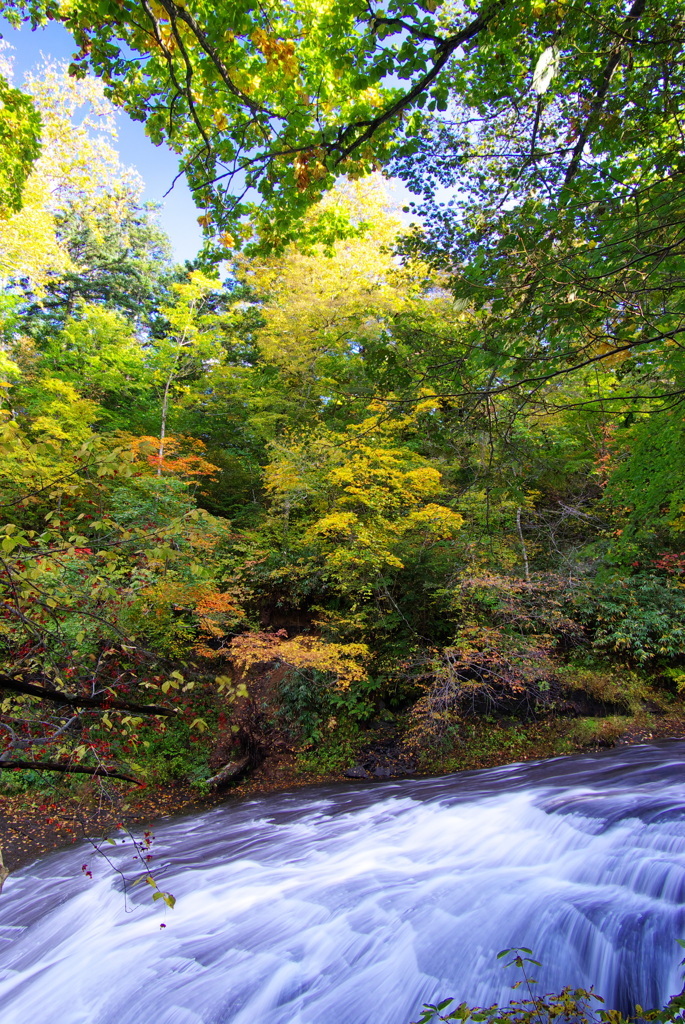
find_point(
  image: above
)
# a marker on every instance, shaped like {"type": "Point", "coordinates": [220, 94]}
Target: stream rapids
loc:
{"type": "Point", "coordinates": [355, 904]}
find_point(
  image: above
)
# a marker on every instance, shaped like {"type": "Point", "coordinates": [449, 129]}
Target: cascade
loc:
{"type": "Point", "coordinates": [356, 904]}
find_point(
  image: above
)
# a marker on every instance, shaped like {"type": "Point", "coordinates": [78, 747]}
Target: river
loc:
{"type": "Point", "coordinates": [354, 904]}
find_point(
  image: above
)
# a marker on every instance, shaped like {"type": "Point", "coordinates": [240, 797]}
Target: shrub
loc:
{"type": "Point", "coordinates": [639, 619]}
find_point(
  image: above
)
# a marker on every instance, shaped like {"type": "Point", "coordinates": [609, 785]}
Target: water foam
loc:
{"type": "Point", "coordinates": [357, 904]}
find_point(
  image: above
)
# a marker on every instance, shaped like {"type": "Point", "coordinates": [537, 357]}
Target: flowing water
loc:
{"type": "Point", "coordinates": [355, 904]}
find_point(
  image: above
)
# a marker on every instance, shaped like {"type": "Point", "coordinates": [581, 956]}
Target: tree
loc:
{"type": "Point", "coordinates": [325, 310]}
{"type": "Point", "coordinates": [558, 130]}
{"type": "Point", "coordinates": [101, 581]}
{"type": "Point", "coordinates": [89, 577]}
{"type": "Point", "coordinates": [96, 353]}
{"type": "Point", "coordinates": [76, 168]}
{"type": "Point", "coordinates": [563, 140]}
{"type": "Point", "coordinates": [20, 141]}
{"type": "Point", "coordinates": [318, 303]}
{"type": "Point", "coordinates": [352, 504]}
{"type": "Point", "coordinates": [191, 338]}
{"type": "Point", "coordinates": [274, 102]}
{"type": "Point", "coordinates": [561, 135]}
{"type": "Point", "coordinates": [120, 260]}
{"type": "Point", "coordinates": [95, 552]}
{"type": "Point", "coordinates": [59, 639]}
{"type": "Point", "coordinates": [281, 100]}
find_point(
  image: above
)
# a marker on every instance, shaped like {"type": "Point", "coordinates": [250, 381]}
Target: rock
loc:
{"type": "Point", "coordinates": [632, 736]}
{"type": "Point", "coordinates": [357, 772]}
{"type": "Point", "coordinates": [383, 772]}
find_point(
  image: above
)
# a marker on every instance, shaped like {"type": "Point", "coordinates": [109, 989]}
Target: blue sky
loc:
{"type": "Point", "coordinates": [156, 165]}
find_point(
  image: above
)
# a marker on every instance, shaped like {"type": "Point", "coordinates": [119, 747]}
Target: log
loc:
{"type": "Point", "coordinates": [3, 870]}
{"type": "Point", "coordinates": [229, 772]}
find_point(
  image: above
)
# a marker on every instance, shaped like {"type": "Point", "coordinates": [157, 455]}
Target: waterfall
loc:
{"type": "Point", "coordinates": [356, 904]}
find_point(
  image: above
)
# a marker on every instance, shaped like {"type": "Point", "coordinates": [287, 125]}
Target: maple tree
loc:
{"type": "Point", "coordinates": [83, 598]}
{"type": "Point", "coordinates": [353, 501]}
{"type": "Point", "coordinates": [343, 662]}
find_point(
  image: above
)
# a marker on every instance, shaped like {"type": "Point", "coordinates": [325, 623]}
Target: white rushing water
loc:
{"type": "Point", "coordinates": [356, 904]}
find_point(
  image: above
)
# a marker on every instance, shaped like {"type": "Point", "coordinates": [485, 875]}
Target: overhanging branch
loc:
{"type": "Point", "coordinates": [63, 766]}
{"type": "Point", "coordinates": [443, 52]}
{"type": "Point", "coordinates": [10, 685]}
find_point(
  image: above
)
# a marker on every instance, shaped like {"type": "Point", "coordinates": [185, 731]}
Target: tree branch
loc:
{"type": "Point", "coordinates": [176, 11]}
{"type": "Point", "coordinates": [79, 769]}
{"type": "Point", "coordinates": [10, 685]}
{"type": "Point", "coordinates": [443, 53]}
{"type": "Point", "coordinates": [634, 14]}
{"type": "Point", "coordinates": [32, 741]}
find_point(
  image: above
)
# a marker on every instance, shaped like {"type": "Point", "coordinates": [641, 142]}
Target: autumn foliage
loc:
{"type": "Point", "coordinates": [354, 488]}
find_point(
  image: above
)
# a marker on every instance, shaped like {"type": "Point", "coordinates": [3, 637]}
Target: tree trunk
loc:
{"type": "Point", "coordinates": [162, 429]}
{"type": "Point", "coordinates": [526, 572]}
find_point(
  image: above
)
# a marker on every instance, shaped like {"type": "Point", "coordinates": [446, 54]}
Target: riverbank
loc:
{"type": "Point", "coordinates": [36, 822]}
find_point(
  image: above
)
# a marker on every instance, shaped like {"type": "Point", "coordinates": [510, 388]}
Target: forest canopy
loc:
{"type": "Point", "coordinates": [553, 128]}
